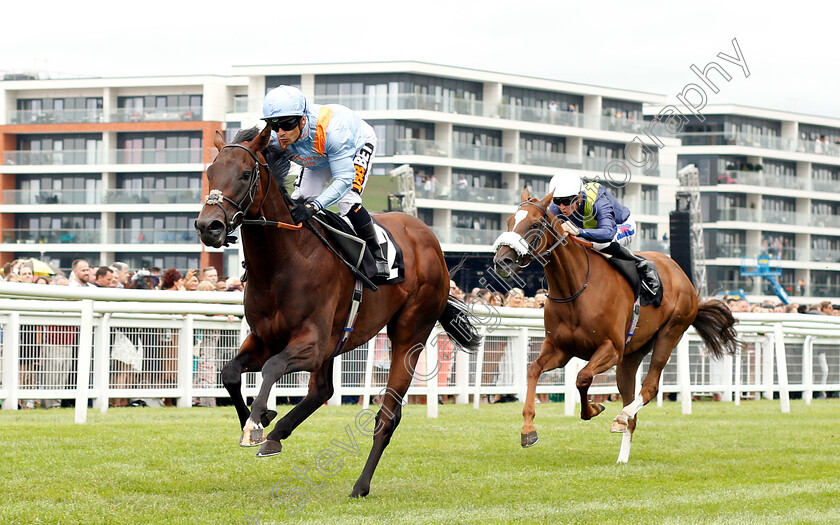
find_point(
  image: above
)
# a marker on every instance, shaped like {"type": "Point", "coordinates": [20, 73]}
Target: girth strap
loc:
{"type": "Point", "coordinates": [352, 316]}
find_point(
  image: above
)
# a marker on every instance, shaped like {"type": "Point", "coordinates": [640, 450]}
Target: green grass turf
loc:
{"type": "Point", "coordinates": [722, 464]}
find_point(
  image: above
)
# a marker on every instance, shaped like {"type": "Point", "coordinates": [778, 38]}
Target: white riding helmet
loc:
{"type": "Point", "coordinates": [565, 184]}
{"type": "Point", "coordinates": [284, 101]}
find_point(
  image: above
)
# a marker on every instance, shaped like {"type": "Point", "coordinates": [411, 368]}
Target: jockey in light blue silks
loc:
{"type": "Point", "coordinates": [335, 149]}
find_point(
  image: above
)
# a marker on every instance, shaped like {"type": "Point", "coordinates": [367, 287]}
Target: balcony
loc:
{"type": "Point", "coordinates": [479, 108]}
{"type": "Point", "coordinates": [530, 157]}
{"type": "Point", "coordinates": [651, 245]}
{"type": "Point", "coordinates": [152, 236]}
{"type": "Point", "coordinates": [722, 138]}
{"type": "Point", "coordinates": [173, 114]}
{"type": "Point", "coordinates": [52, 197]}
{"type": "Point", "coordinates": [467, 236]}
{"type": "Point", "coordinates": [825, 221]}
{"type": "Point", "coordinates": [55, 116]}
{"type": "Point", "coordinates": [735, 251]}
{"type": "Point", "coordinates": [757, 178]}
{"type": "Point", "coordinates": [469, 194]}
{"type": "Point", "coordinates": [53, 157]}
{"type": "Point", "coordinates": [157, 156]}
{"type": "Point", "coordinates": [825, 255]}
{"type": "Point", "coordinates": [58, 236]}
{"type": "Point", "coordinates": [153, 196]}
{"type": "Point", "coordinates": [778, 217]}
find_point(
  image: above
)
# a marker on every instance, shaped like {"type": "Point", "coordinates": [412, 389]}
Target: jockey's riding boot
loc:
{"type": "Point", "coordinates": [368, 234]}
{"type": "Point", "coordinates": [645, 268]}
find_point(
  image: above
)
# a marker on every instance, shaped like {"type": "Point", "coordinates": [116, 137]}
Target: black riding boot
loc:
{"type": "Point", "coordinates": [646, 269]}
{"type": "Point", "coordinates": [368, 234]}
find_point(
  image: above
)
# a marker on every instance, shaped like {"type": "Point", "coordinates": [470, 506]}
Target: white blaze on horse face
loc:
{"type": "Point", "coordinates": [519, 217]}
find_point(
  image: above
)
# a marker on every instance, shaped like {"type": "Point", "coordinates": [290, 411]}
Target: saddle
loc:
{"type": "Point", "coordinates": [339, 231]}
{"type": "Point", "coordinates": [628, 270]}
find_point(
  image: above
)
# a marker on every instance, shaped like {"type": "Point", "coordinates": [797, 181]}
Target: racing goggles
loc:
{"type": "Point", "coordinates": [284, 123]}
{"type": "Point", "coordinates": [564, 201]}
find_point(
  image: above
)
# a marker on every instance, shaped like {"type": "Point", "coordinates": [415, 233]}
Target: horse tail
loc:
{"type": "Point", "coordinates": [716, 326]}
{"type": "Point", "coordinates": [457, 321]}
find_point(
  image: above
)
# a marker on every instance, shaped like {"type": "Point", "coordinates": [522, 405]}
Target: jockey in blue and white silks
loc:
{"type": "Point", "coordinates": [335, 149]}
{"type": "Point", "coordinates": [602, 220]}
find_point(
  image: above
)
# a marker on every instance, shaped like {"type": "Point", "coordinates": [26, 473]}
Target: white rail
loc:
{"type": "Point", "coordinates": [143, 344]}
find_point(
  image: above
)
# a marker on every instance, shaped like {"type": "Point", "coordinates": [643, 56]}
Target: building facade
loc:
{"type": "Point", "coordinates": [770, 186]}
{"type": "Point", "coordinates": [111, 169]}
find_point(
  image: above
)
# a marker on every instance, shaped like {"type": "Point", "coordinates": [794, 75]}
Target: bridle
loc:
{"type": "Point", "coordinates": [560, 239]}
{"type": "Point", "coordinates": [216, 197]}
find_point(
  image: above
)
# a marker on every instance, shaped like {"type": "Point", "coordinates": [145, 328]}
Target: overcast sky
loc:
{"type": "Point", "coordinates": [790, 47]}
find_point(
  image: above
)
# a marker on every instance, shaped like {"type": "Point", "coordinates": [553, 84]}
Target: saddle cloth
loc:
{"type": "Point", "coordinates": [628, 270]}
{"type": "Point", "coordinates": [354, 250]}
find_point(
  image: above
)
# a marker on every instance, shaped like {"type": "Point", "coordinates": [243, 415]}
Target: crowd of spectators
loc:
{"type": "Point", "coordinates": [145, 356]}
{"type": "Point", "coordinates": [741, 304]}
{"type": "Point", "coordinates": [118, 275]}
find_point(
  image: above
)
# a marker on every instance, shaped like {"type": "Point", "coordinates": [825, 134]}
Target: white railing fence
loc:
{"type": "Point", "coordinates": [132, 344]}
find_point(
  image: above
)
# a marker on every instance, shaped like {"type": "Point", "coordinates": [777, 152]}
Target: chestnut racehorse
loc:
{"type": "Point", "coordinates": [299, 293]}
{"type": "Point", "coordinates": [590, 311]}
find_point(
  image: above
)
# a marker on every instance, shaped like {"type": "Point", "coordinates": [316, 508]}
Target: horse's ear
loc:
{"type": "Point", "coordinates": [546, 201]}
{"type": "Point", "coordinates": [219, 140]}
{"type": "Point", "coordinates": [526, 195]}
{"type": "Point", "coordinates": [261, 141]}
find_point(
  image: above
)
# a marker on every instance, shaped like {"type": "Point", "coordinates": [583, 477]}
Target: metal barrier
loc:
{"type": "Point", "coordinates": [132, 344]}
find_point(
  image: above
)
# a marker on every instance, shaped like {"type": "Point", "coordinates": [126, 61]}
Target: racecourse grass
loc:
{"type": "Point", "coordinates": [722, 464]}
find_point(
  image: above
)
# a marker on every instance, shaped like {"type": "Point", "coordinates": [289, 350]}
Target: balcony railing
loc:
{"type": "Point", "coordinates": [479, 108]}
{"type": "Point", "coordinates": [651, 245]}
{"type": "Point", "coordinates": [825, 255]}
{"type": "Point", "coordinates": [786, 218]}
{"type": "Point", "coordinates": [158, 156]}
{"type": "Point", "coordinates": [172, 114]}
{"type": "Point", "coordinates": [467, 236]}
{"type": "Point", "coordinates": [731, 250]}
{"type": "Point", "coordinates": [516, 156]}
{"type": "Point", "coordinates": [757, 178]}
{"type": "Point", "coordinates": [153, 196]}
{"type": "Point", "coordinates": [55, 116]}
{"type": "Point", "coordinates": [721, 138]}
{"type": "Point", "coordinates": [52, 197]}
{"type": "Point", "coordinates": [825, 221]}
{"type": "Point", "coordinates": [469, 194]}
{"type": "Point", "coordinates": [151, 236]}
{"type": "Point", "coordinates": [59, 236]}
{"type": "Point", "coordinates": [53, 157]}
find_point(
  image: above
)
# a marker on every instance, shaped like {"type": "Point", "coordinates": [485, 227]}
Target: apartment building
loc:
{"type": "Point", "coordinates": [111, 169]}
{"type": "Point", "coordinates": [770, 185]}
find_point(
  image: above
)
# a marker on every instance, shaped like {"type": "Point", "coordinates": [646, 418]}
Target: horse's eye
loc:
{"type": "Point", "coordinates": [245, 175]}
{"type": "Point", "coordinates": [535, 226]}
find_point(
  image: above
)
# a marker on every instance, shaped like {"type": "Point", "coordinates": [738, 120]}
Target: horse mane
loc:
{"type": "Point", "coordinates": [277, 158]}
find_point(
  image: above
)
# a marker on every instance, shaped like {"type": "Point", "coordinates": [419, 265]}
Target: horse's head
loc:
{"type": "Point", "coordinates": [531, 235]}
{"type": "Point", "coordinates": [238, 180]}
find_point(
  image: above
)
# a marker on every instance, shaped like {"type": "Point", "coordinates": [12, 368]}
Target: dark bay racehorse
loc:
{"type": "Point", "coordinates": [590, 311]}
{"type": "Point", "coordinates": [298, 296]}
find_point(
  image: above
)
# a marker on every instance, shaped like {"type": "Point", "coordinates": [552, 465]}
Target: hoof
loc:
{"type": "Point", "coordinates": [359, 492]}
{"type": "Point", "coordinates": [530, 439]}
{"type": "Point", "coordinates": [252, 435]}
{"type": "Point", "coordinates": [269, 448]}
{"type": "Point", "coordinates": [618, 426]}
{"type": "Point", "coordinates": [598, 407]}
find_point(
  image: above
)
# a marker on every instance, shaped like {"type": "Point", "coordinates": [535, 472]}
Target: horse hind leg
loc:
{"type": "Point", "coordinates": [406, 350]}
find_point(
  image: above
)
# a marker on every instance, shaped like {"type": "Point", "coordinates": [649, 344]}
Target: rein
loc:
{"type": "Point", "coordinates": [560, 239]}
{"type": "Point", "coordinates": [216, 197]}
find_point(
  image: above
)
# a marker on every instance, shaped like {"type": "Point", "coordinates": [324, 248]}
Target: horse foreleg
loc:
{"type": "Point", "coordinates": [604, 358]}
{"type": "Point", "coordinates": [253, 433]}
{"type": "Point", "coordinates": [549, 359]}
{"type": "Point", "coordinates": [320, 390]}
{"type": "Point", "coordinates": [251, 357]}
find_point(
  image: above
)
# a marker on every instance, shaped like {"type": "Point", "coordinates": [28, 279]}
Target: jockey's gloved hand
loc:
{"type": "Point", "coordinates": [302, 212]}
